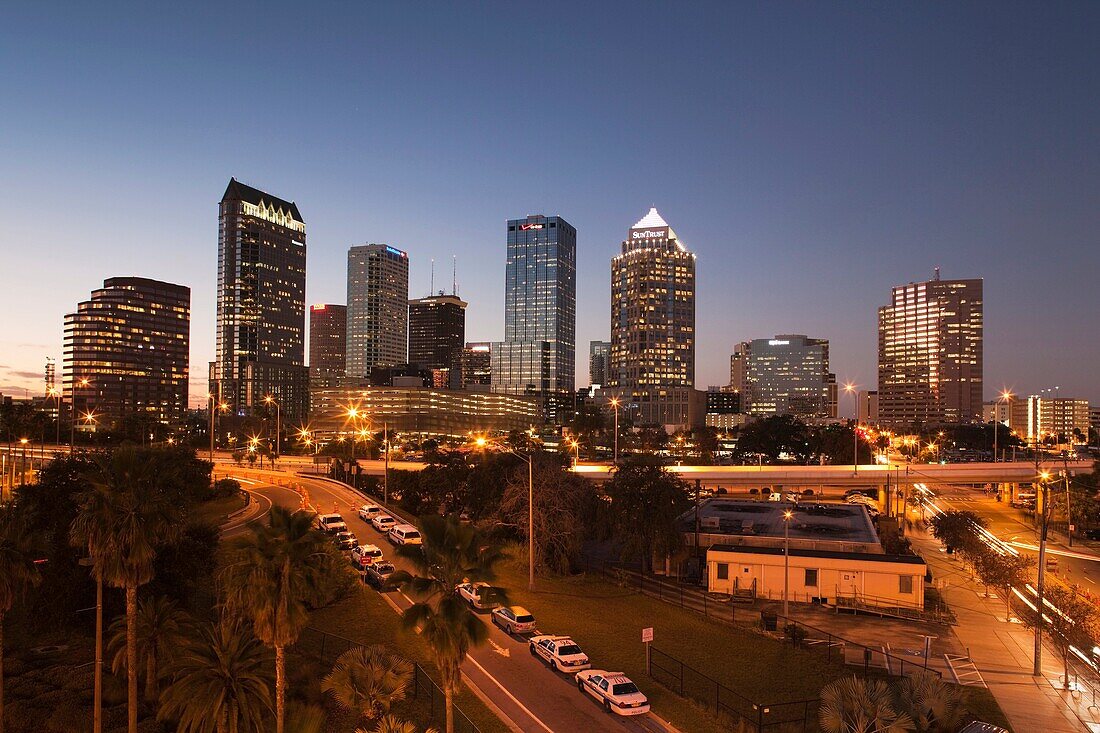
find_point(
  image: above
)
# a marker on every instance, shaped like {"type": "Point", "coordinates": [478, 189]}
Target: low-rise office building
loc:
{"type": "Point", "coordinates": [421, 411]}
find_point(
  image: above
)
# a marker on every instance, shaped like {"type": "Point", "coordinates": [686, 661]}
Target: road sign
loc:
{"type": "Point", "coordinates": [647, 634]}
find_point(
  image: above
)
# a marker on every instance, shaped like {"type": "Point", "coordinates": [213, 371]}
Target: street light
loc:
{"type": "Point", "coordinates": [482, 442]}
{"type": "Point", "coordinates": [82, 383]}
{"type": "Point", "coordinates": [615, 403]}
{"type": "Point", "coordinates": [1005, 396]}
{"type": "Point", "coordinates": [786, 556]}
{"type": "Point", "coordinates": [577, 452]}
{"type": "Point", "coordinates": [56, 393]}
{"type": "Point", "coordinates": [278, 423]}
{"type": "Point", "coordinates": [1044, 496]}
{"type": "Point", "coordinates": [851, 389]}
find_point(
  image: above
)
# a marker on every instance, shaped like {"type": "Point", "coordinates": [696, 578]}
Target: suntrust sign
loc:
{"type": "Point", "coordinates": [661, 233]}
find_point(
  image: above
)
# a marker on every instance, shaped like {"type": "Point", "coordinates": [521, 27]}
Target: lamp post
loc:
{"type": "Point", "coordinates": [786, 556]}
{"type": "Point", "coordinates": [82, 383]}
{"type": "Point", "coordinates": [576, 446]}
{"type": "Point", "coordinates": [1044, 496]}
{"type": "Point", "coordinates": [481, 442]}
{"type": "Point", "coordinates": [1004, 397]}
{"type": "Point", "coordinates": [615, 403]}
{"type": "Point", "coordinates": [851, 389]}
{"type": "Point", "coordinates": [56, 394]}
{"type": "Point", "coordinates": [278, 423]}
{"type": "Point", "coordinates": [23, 462]}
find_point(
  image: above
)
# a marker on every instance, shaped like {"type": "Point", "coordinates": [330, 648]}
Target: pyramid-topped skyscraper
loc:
{"type": "Point", "coordinates": [653, 324]}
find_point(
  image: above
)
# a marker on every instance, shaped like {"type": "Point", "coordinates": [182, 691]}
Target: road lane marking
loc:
{"type": "Point", "coordinates": [499, 649]}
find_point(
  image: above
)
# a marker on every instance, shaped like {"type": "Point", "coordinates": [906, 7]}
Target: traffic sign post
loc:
{"type": "Point", "coordinates": [647, 639]}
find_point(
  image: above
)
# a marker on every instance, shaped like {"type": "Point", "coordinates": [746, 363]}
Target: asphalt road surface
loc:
{"type": "Point", "coordinates": [533, 697]}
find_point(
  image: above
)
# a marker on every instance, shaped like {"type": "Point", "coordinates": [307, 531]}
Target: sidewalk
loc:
{"type": "Point", "coordinates": [1002, 653]}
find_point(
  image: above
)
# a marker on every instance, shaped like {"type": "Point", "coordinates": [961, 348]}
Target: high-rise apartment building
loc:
{"type": "Point", "coordinates": [437, 330]}
{"type": "Point", "coordinates": [1038, 418]}
{"type": "Point", "coordinates": [328, 325]}
{"type": "Point", "coordinates": [126, 352]}
{"type": "Point", "coordinates": [653, 324]}
{"type": "Point", "coordinates": [599, 362]}
{"type": "Point", "coordinates": [538, 354]}
{"type": "Point", "coordinates": [787, 375]}
{"type": "Point", "coordinates": [261, 326]}
{"type": "Point", "coordinates": [930, 354]}
{"type": "Point", "coordinates": [378, 308]}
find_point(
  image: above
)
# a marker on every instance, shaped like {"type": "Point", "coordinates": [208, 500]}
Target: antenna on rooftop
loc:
{"type": "Point", "coordinates": [936, 276]}
{"type": "Point", "coordinates": [431, 288]}
{"type": "Point", "coordinates": [454, 275]}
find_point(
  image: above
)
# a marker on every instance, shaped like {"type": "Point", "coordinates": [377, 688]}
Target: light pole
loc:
{"type": "Point", "coordinates": [56, 394]}
{"type": "Point", "coordinates": [82, 383]}
{"type": "Point", "coordinates": [23, 462]}
{"type": "Point", "coordinates": [851, 389]}
{"type": "Point", "coordinates": [1044, 496]}
{"type": "Point", "coordinates": [786, 556]}
{"type": "Point", "coordinates": [386, 472]}
{"type": "Point", "coordinates": [1005, 397]}
{"type": "Point", "coordinates": [278, 423]}
{"type": "Point", "coordinates": [615, 403]}
{"type": "Point", "coordinates": [576, 446]}
{"type": "Point", "coordinates": [481, 442]}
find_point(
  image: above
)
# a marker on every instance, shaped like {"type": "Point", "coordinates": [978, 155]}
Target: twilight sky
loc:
{"type": "Point", "coordinates": [812, 154]}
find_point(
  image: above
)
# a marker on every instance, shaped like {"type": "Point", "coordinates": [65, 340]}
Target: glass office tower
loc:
{"type": "Point", "coordinates": [261, 304]}
{"type": "Point", "coordinates": [789, 375]}
{"type": "Point", "coordinates": [378, 308]}
{"type": "Point", "coordinates": [538, 354]}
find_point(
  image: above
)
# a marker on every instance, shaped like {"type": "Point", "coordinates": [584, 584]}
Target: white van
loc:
{"type": "Point", "coordinates": [404, 534]}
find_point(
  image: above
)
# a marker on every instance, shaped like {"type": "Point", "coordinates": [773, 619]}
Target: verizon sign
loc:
{"type": "Point", "coordinates": [641, 234]}
{"type": "Point", "coordinates": [525, 227]}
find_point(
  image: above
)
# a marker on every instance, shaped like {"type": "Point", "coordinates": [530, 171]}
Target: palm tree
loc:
{"type": "Point", "coordinates": [161, 628]}
{"type": "Point", "coordinates": [367, 680]}
{"type": "Point", "coordinates": [18, 572]}
{"type": "Point", "coordinates": [932, 704]}
{"type": "Point", "coordinates": [221, 683]}
{"type": "Point", "coordinates": [452, 553]}
{"type": "Point", "coordinates": [121, 519]}
{"type": "Point", "coordinates": [271, 578]}
{"type": "Point", "coordinates": [854, 705]}
{"type": "Point", "coordinates": [304, 717]}
{"type": "Point", "coordinates": [393, 724]}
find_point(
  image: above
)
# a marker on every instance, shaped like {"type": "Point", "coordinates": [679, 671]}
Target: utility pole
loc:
{"type": "Point", "coordinates": [386, 475]}
{"type": "Point", "coordinates": [1044, 495]}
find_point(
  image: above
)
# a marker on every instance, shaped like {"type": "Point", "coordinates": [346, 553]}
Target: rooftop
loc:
{"type": "Point", "coordinates": [821, 522]}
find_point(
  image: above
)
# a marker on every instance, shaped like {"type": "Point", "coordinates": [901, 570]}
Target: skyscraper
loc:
{"type": "Point", "coordinates": [126, 351]}
{"type": "Point", "coordinates": [477, 370]}
{"type": "Point", "coordinates": [261, 304]}
{"type": "Point", "coordinates": [789, 375]}
{"type": "Point", "coordinates": [328, 326]}
{"type": "Point", "coordinates": [378, 308]}
{"type": "Point", "coordinates": [437, 331]}
{"type": "Point", "coordinates": [653, 323]}
{"type": "Point", "coordinates": [930, 354]}
{"type": "Point", "coordinates": [599, 362]}
{"type": "Point", "coordinates": [538, 354]}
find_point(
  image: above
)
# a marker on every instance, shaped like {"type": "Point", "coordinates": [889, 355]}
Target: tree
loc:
{"type": "Point", "coordinates": [562, 499]}
{"type": "Point", "coordinates": [1003, 572]}
{"type": "Point", "coordinates": [161, 629]}
{"type": "Point", "coordinates": [272, 577]}
{"type": "Point", "coordinates": [1072, 619]}
{"type": "Point", "coordinates": [646, 502]}
{"type": "Point", "coordinates": [959, 531]}
{"type": "Point", "coordinates": [453, 552]}
{"type": "Point", "coordinates": [367, 680]}
{"type": "Point", "coordinates": [220, 683]}
{"type": "Point", "coordinates": [854, 705]}
{"type": "Point", "coordinates": [772, 437]}
{"type": "Point", "coordinates": [122, 519]}
{"type": "Point", "coordinates": [933, 705]}
{"type": "Point", "coordinates": [393, 724]}
{"type": "Point", "coordinates": [835, 442]}
{"type": "Point", "coordinates": [305, 718]}
{"type": "Point", "coordinates": [18, 572]}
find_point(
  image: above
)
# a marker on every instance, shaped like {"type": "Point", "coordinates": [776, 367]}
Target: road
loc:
{"type": "Point", "coordinates": [525, 692]}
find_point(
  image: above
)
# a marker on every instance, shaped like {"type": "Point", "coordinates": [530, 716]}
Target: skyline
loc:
{"type": "Point", "coordinates": [933, 148]}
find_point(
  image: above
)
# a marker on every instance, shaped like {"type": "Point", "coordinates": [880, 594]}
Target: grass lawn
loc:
{"type": "Point", "coordinates": [366, 618]}
{"type": "Point", "coordinates": [215, 511]}
{"type": "Point", "coordinates": [607, 621]}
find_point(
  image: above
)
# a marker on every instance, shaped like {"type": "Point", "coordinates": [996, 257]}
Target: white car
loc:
{"type": "Point", "coordinates": [513, 619]}
{"type": "Point", "coordinates": [480, 595]}
{"type": "Point", "coordinates": [615, 690]}
{"type": "Point", "coordinates": [368, 512]}
{"type": "Point", "coordinates": [364, 555]}
{"type": "Point", "coordinates": [383, 522]}
{"type": "Point", "coordinates": [331, 523]}
{"type": "Point", "coordinates": [559, 652]}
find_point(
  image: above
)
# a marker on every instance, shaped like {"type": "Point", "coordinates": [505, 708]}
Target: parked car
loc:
{"type": "Point", "coordinates": [383, 522]}
{"type": "Point", "coordinates": [560, 652]}
{"type": "Point", "coordinates": [364, 555]}
{"type": "Point", "coordinates": [514, 619]}
{"type": "Point", "coordinates": [615, 690]}
{"type": "Point", "coordinates": [368, 512]}
{"type": "Point", "coordinates": [331, 523]}
{"type": "Point", "coordinates": [404, 534]}
{"type": "Point", "coordinates": [345, 540]}
{"type": "Point", "coordinates": [480, 595]}
{"type": "Point", "coordinates": [791, 496]}
{"type": "Point", "coordinates": [377, 573]}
